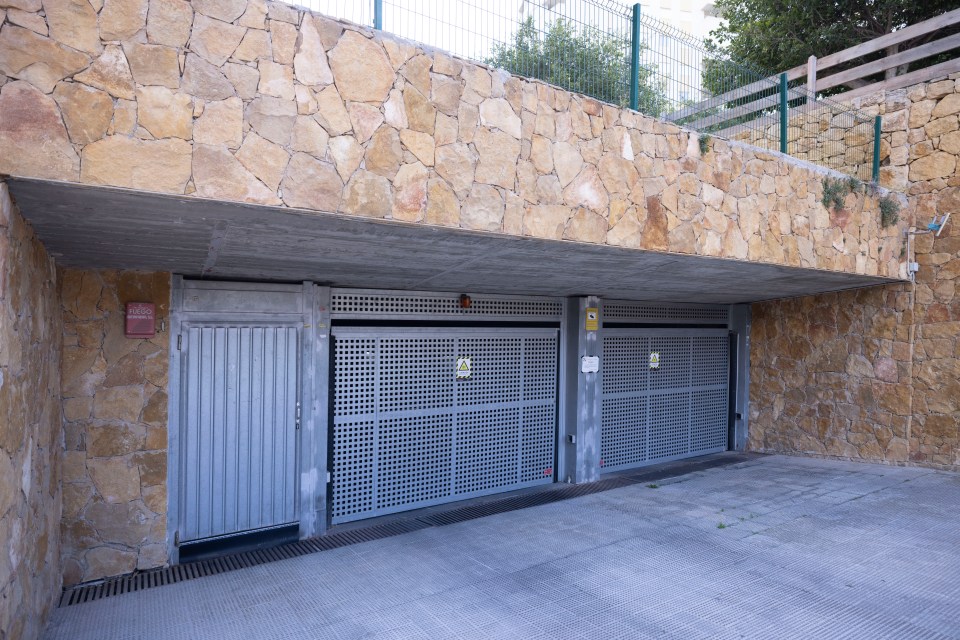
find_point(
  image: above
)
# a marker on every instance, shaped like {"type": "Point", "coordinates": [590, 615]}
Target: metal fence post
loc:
{"type": "Point", "coordinates": [635, 59]}
{"type": "Point", "coordinates": [875, 174]}
{"type": "Point", "coordinates": [784, 106]}
{"type": "Point", "coordinates": [378, 14]}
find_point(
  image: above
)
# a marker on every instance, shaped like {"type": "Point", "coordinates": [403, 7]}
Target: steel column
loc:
{"type": "Point", "coordinates": [378, 14]}
{"type": "Point", "coordinates": [635, 59]}
{"type": "Point", "coordinates": [173, 423]}
{"type": "Point", "coordinates": [740, 330]}
{"type": "Point", "coordinates": [315, 400]}
{"type": "Point", "coordinates": [877, 127]}
{"type": "Point", "coordinates": [784, 109]}
{"type": "Point", "coordinates": [582, 397]}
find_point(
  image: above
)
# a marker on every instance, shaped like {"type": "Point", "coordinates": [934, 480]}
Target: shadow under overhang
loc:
{"type": "Point", "coordinates": [93, 227]}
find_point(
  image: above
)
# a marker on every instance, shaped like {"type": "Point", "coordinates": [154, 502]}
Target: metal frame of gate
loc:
{"type": "Point", "coordinates": [407, 433]}
{"type": "Point", "coordinates": [392, 309]}
{"type": "Point", "coordinates": [196, 304]}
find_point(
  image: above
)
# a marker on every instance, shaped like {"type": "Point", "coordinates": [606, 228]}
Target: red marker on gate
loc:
{"type": "Point", "coordinates": [548, 471]}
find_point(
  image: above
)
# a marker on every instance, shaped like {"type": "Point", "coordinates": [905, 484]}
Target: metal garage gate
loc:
{"type": "Point", "coordinates": [426, 416]}
{"type": "Point", "coordinates": [238, 434]}
{"type": "Point", "coordinates": [664, 395]}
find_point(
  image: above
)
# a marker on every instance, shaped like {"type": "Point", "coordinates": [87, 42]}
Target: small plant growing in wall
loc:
{"type": "Point", "coordinates": [704, 142]}
{"type": "Point", "coordinates": [835, 192]}
{"type": "Point", "coordinates": [889, 211]}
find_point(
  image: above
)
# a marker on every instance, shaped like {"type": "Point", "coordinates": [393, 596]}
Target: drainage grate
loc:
{"type": "Point", "coordinates": [555, 493]}
{"type": "Point", "coordinates": [232, 562]}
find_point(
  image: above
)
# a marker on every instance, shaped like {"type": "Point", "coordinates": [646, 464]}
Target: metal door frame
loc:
{"type": "Point", "coordinates": [451, 332]}
{"type": "Point", "coordinates": [305, 311]}
{"type": "Point", "coordinates": [664, 333]}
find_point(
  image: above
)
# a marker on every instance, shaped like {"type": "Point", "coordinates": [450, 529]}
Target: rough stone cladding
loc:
{"type": "Point", "coordinates": [895, 393]}
{"type": "Point", "coordinates": [114, 425]}
{"type": "Point", "coordinates": [830, 374]}
{"type": "Point", "coordinates": [919, 140]}
{"type": "Point", "coordinates": [828, 134]}
{"type": "Point", "coordinates": [30, 438]}
{"type": "Point", "coordinates": [261, 102]}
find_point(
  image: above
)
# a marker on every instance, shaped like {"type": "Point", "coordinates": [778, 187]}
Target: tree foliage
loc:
{"type": "Point", "coordinates": [587, 62]}
{"type": "Point", "coordinates": [777, 35]}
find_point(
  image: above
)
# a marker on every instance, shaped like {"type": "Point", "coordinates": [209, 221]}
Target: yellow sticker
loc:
{"type": "Point", "coordinates": [464, 368]}
{"type": "Point", "coordinates": [592, 322]}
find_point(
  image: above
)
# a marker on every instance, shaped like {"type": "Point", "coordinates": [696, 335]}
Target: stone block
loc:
{"type": "Point", "coordinates": [360, 69]}
{"type": "Point", "coordinates": [218, 174]}
{"type": "Point", "coordinates": [31, 123]}
{"type": "Point", "coordinates": [161, 165]}
{"type": "Point", "coordinates": [311, 184]}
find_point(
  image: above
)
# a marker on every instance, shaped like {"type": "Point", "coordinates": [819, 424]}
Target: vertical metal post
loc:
{"type": "Point", "coordinates": [635, 59]}
{"type": "Point", "coordinates": [315, 398]}
{"type": "Point", "coordinates": [173, 423]}
{"type": "Point", "coordinates": [582, 402]}
{"type": "Point", "coordinates": [784, 106]}
{"type": "Point", "coordinates": [739, 326]}
{"type": "Point", "coordinates": [877, 126]}
{"type": "Point", "coordinates": [378, 14]}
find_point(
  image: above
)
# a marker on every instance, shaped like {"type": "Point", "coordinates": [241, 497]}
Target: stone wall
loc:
{"type": "Point", "coordinates": [876, 374]}
{"type": "Point", "coordinates": [922, 133]}
{"type": "Point", "coordinates": [30, 437]}
{"type": "Point", "coordinates": [919, 140]}
{"type": "Point", "coordinates": [114, 425]}
{"type": "Point", "coordinates": [831, 374]}
{"type": "Point", "coordinates": [260, 102]}
{"type": "Point", "coordinates": [829, 134]}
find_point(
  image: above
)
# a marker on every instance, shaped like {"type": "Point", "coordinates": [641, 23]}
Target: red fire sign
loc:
{"type": "Point", "coordinates": [141, 320]}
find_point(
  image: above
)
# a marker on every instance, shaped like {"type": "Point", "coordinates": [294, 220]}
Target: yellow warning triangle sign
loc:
{"type": "Point", "coordinates": [463, 366]}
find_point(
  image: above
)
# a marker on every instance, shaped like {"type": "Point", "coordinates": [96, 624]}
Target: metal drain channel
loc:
{"type": "Point", "coordinates": [223, 564]}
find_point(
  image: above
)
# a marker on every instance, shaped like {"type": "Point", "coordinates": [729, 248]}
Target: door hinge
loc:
{"type": "Point", "coordinates": [298, 415]}
{"type": "Point", "coordinates": [328, 477]}
{"type": "Point", "coordinates": [179, 342]}
{"type": "Point", "coordinates": [176, 538]}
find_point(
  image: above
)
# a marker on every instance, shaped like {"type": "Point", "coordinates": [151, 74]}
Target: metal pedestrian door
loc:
{"type": "Point", "coordinates": [426, 416]}
{"type": "Point", "coordinates": [238, 437]}
{"type": "Point", "coordinates": [664, 395]}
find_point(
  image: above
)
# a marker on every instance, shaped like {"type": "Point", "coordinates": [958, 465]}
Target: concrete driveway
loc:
{"type": "Point", "coordinates": [776, 547]}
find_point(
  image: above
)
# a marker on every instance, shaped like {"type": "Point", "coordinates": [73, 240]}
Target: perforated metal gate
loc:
{"type": "Point", "coordinates": [238, 433]}
{"type": "Point", "coordinates": [408, 433]}
{"type": "Point", "coordinates": [664, 395]}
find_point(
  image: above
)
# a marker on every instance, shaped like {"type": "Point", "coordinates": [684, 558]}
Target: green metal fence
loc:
{"type": "Point", "coordinates": [611, 51]}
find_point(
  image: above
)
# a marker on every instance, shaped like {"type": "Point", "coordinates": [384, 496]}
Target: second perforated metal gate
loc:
{"type": "Point", "coordinates": [664, 395]}
{"type": "Point", "coordinates": [426, 416]}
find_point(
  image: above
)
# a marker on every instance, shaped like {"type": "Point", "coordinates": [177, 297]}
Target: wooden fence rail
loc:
{"type": "Point", "coordinates": [817, 81]}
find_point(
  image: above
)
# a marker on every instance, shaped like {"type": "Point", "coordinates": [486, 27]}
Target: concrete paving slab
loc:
{"type": "Point", "coordinates": [776, 547]}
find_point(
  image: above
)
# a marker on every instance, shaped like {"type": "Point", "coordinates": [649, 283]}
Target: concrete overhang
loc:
{"type": "Point", "coordinates": [110, 228]}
